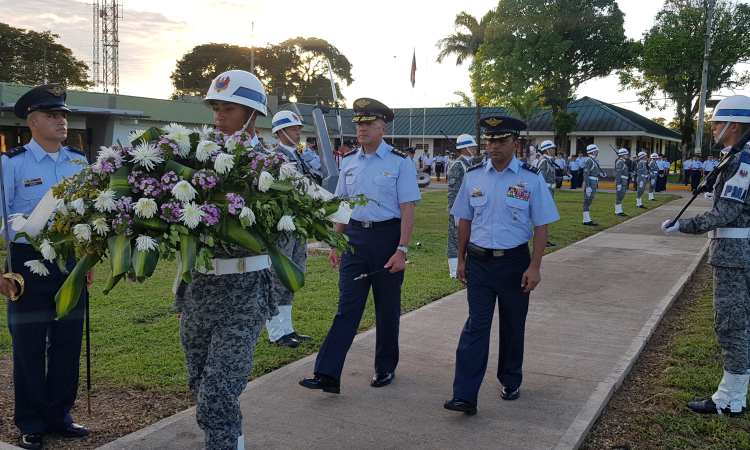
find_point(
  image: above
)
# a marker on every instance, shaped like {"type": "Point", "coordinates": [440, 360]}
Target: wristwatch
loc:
{"type": "Point", "coordinates": [403, 248]}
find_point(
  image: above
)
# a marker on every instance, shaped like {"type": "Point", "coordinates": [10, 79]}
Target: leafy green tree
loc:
{"type": "Point", "coordinates": [465, 44]}
{"type": "Point", "coordinates": [31, 57]}
{"type": "Point", "coordinates": [668, 61]}
{"type": "Point", "coordinates": [296, 68]}
{"type": "Point", "coordinates": [525, 105]}
{"type": "Point", "coordinates": [563, 124]}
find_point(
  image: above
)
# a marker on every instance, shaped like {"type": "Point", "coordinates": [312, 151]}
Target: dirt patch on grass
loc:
{"type": "Point", "coordinates": [115, 412]}
{"type": "Point", "coordinates": [616, 428]}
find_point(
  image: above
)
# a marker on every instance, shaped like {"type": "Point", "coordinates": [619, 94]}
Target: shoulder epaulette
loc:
{"type": "Point", "coordinates": [75, 150]}
{"type": "Point", "coordinates": [349, 153]}
{"type": "Point", "coordinates": [398, 152]}
{"type": "Point", "coordinates": [530, 168]}
{"type": "Point", "coordinates": [475, 166]}
{"type": "Point", "coordinates": [15, 151]}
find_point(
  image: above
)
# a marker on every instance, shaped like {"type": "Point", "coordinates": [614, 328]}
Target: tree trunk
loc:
{"type": "Point", "coordinates": [479, 134]}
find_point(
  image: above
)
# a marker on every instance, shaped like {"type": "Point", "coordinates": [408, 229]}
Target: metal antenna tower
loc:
{"type": "Point", "coordinates": [110, 16]}
{"type": "Point", "coordinates": [96, 64]}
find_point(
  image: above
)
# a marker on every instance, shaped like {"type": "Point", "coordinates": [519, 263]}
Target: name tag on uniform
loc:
{"type": "Point", "coordinates": [349, 175]}
{"type": "Point", "coordinates": [478, 192]}
{"type": "Point", "coordinates": [32, 182]}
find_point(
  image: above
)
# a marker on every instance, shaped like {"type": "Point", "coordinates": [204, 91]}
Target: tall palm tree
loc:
{"type": "Point", "coordinates": [525, 106]}
{"type": "Point", "coordinates": [465, 43]}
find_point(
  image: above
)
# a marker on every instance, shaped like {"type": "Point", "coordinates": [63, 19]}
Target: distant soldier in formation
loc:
{"type": "Point", "coordinates": [561, 164]}
{"type": "Point", "coordinates": [468, 148]}
{"type": "Point", "coordinates": [573, 166]}
{"type": "Point", "coordinates": [653, 169]}
{"type": "Point", "coordinates": [549, 169]}
{"type": "Point", "coordinates": [591, 173]}
{"type": "Point", "coordinates": [622, 174]}
{"type": "Point", "coordinates": [642, 176]}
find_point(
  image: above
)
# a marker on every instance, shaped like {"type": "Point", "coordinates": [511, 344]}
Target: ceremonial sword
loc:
{"type": "Point", "coordinates": [14, 277]}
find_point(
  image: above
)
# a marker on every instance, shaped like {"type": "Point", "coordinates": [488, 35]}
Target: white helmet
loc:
{"type": "Point", "coordinates": [238, 86]}
{"type": "Point", "coordinates": [654, 155]}
{"type": "Point", "coordinates": [623, 152]}
{"type": "Point", "coordinates": [547, 145]}
{"type": "Point", "coordinates": [465, 141]}
{"type": "Point", "coordinates": [642, 154]}
{"type": "Point", "coordinates": [732, 109]}
{"type": "Point", "coordinates": [284, 119]}
{"type": "Point", "coordinates": [592, 148]}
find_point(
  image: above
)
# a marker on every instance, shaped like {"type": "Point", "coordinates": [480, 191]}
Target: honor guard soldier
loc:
{"type": "Point", "coordinates": [468, 148]}
{"type": "Point", "coordinates": [46, 351]}
{"type": "Point", "coordinates": [621, 179]}
{"type": "Point", "coordinates": [549, 169]}
{"type": "Point", "coordinates": [642, 176]}
{"type": "Point", "coordinates": [223, 311]}
{"type": "Point", "coordinates": [728, 228]}
{"type": "Point", "coordinates": [379, 233]}
{"type": "Point", "coordinates": [287, 128]}
{"type": "Point", "coordinates": [653, 169]}
{"type": "Point", "coordinates": [591, 173]}
{"type": "Point", "coordinates": [499, 201]}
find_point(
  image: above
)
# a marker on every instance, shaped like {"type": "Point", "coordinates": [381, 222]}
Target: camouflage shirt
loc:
{"type": "Point", "coordinates": [642, 170]}
{"type": "Point", "coordinates": [591, 168]}
{"type": "Point", "coordinates": [731, 209]}
{"type": "Point", "coordinates": [456, 178]}
{"type": "Point", "coordinates": [621, 170]}
{"type": "Point", "coordinates": [547, 169]}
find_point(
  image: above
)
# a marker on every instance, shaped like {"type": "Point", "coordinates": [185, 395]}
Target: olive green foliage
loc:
{"type": "Point", "coordinates": [563, 124]}
{"type": "Point", "coordinates": [30, 57]}
{"type": "Point", "coordinates": [668, 61]}
{"type": "Point", "coordinates": [525, 105]}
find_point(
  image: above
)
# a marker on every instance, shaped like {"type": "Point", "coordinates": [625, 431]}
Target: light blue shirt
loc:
{"type": "Point", "coordinates": [382, 176]}
{"type": "Point", "coordinates": [502, 206]}
{"type": "Point", "coordinates": [696, 165]}
{"type": "Point", "coordinates": [688, 164]}
{"type": "Point", "coordinates": [573, 165]}
{"type": "Point", "coordinates": [710, 165]}
{"type": "Point", "coordinates": [31, 174]}
{"type": "Point", "coordinates": [580, 161]}
{"type": "Point", "coordinates": [561, 162]}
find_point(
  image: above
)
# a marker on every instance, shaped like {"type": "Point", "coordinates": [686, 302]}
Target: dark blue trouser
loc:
{"type": "Point", "coordinates": [45, 377]}
{"type": "Point", "coordinates": [373, 247]}
{"type": "Point", "coordinates": [498, 280]}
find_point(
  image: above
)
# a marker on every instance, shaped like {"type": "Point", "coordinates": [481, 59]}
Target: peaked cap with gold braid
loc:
{"type": "Point", "coordinates": [500, 127]}
{"type": "Point", "coordinates": [370, 110]}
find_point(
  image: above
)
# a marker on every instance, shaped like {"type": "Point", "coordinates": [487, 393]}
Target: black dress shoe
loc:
{"type": "Point", "coordinates": [459, 405]}
{"type": "Point", "coordinates": [324, 382]}
{"type": "Point", "coordinates": [590, 223]}
{"type": "Point", "coordinates": [31, 442]}
{"type": "Point", "coordinates": [382, 379]}
{"type": "Point", "coordinates": [652, 199]}
{"type": "Point", "coordinates": [73, 431]}
{"type": "Point", "coordinates": [511, 393]}
{"type": "Point", "coordinates": [642, 206]}
{"type": "Point", "coordinates": [551, 244]}
{"type": "Point", "coordinates": [287, 341]}
{"type": "Point", "coordinates": [703, 405]}
{"type": "Point", "coordinates": [300, 337]}
{"type": "Point", "coordinates": [621, 214]}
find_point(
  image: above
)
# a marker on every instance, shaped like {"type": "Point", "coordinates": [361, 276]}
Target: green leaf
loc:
{"type": "Point", "coordinates": [153, 224]}
{"type": "Point", "coordinates": [282, 186]}
{"type": "Point", "coordinates": [188, 246]}
{"type": "Point", "coordinates": [111, 282]}
{"type": "Point", "coordinates": [144, 263]}
{"type": "Point", "coordinates": [244, 237]}
{"type": "Point", "coordinates": [149, 135]}
{"type": "Point", "coordinates": [120, 253]}
{"type": "Point", "coordinates": [67, 297]}
{"type": "Point", "coordinates": [290, 275]}
{"type": "Point", "coordinates": [61, 265]}
{"type": "Point", "coordinates": [118, 182]}
{"type": "Point", "coordinates": [182, 171]}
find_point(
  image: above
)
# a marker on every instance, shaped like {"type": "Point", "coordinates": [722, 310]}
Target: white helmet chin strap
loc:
{"type": "Point", "coordinates": [721, 135]}
{"type": "Point", "coordinates": [290, 139]}
{"type": "Point", "coordinates": [252, 116]}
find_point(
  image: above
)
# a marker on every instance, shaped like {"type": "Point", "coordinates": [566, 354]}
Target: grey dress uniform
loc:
{"type": "Point", "coordinates": [455, 180]}
{"type": "Point", "coordinates": [643, 175]}
{"type": "Point", "coordinates": [547, 168]}
{"type": "Point", "coordinates": [653, 168]}
{"type": "Point", "coordinates": [621, 180]}
{"type": "Point", "coordinates": [591, 172]}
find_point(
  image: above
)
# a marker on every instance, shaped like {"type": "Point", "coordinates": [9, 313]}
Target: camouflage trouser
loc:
{"type": "Point", "coordinates": [219, 358]}
{"type": "Point", "coordinates": [652, 184]}
{"type": "Point", "coordinates": [732, 316]}
{"type": "Point", "coordinates": [641, 186]}
{"type": "Point", "coordinates": [452, 251]}
{"type": "Point", "coordinates": [622, 189]}
{"type": "Point", "coordinates": [588, 193]}
{"type": "Point", "coordinates": [552, 192]}
{"type": "Point", "coordinates": [296, 251]}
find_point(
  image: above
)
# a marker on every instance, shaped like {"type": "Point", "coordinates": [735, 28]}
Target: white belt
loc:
{"type": "Point", "coordinates": [594, 178]}
{"type": "Point", "coordinates": [238, 265]}
{"type": "Point", "coordinates": [624, 177]}
{"type": "Point", "coordinates": [729, 233]}
{"type": "Point", "coordinates": [550, 185]}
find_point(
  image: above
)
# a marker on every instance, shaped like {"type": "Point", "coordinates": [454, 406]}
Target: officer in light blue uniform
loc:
{"type": "Point", "coordinates": [499, 202]}
{"type": "Point", "coordinates": [379, 234]}
{"type": "Point", "coordinates": [46, 351]}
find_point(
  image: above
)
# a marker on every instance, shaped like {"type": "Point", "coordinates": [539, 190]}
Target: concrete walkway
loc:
{"type": "Point", "coordinates": [599, 302]}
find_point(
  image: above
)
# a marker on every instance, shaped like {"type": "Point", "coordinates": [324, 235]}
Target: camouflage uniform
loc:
{"type": "Point", "coordinates": [547, 169]}
{"type": "Point", "coordinates": [642, 177]}
{"type": "Point", "coordinates": [730, 259]}
{"type": "Point", "coordinates": [221, 318]}
{"type": "Point", "coordinates": [590, 170]}
{"type": "Point", "coordinates": [621, 180]}
{"type": "Point", "coordinates": [455, 179]}
{"type": "Point", "coordinates": [654, 175]}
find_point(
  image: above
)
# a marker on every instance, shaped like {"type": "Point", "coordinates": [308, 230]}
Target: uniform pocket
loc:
{"type": "Point", "coordinates": [30, 193]}
{"type": "Point", "coordinates": [729, 319]}
{"type": "Point", "coordinates": [386, 186]}
{"type": "Point", "coordinates": [479, 205]}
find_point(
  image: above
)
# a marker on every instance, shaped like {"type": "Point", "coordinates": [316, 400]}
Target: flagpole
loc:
{"type": "Point", "coordinates": [393, 124]}
{"type": "Point", "coordinates": [424, 112]}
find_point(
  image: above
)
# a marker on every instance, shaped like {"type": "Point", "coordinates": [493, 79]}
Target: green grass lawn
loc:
{"type": "Point", "coordinates": [134, 331]}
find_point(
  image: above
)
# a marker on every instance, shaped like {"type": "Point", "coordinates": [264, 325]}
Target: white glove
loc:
{"type": "Point", "coordinates": [456, 219]}
{"type": "Point", "coordinates": [674, 229]}
{"type": "Point", "coordinates": [602, 175]}
{"type": "Point", "coordinates": [709, 195]}
{"type": "Point", "coordinates": [448, 209]}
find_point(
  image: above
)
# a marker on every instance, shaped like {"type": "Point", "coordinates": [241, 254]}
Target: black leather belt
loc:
{"type": "Point", "coordinates": [485, 254]}
{"type": "Point", "coordinates": [370, 224]}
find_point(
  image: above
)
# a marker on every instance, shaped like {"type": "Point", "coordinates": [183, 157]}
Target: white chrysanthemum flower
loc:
{"type": "Point", "coordinates": [248, 214]}
{"type": "Point", "coordinates": [204, 131]}
{"type": "Point", "coordinates": [230, 144]}
{"type": "Point", "coordinates": [48, 252]}
{"type": "Point", "coordinates": [191, 214]}
{"type": "Point", "coordinates": [78, 206]}
{"type": "Point", "coordinates": [147, 155]}
{"type": "Point", "coordinates": [183, 191]}
{"type": "Point", "coordinates": [108, 152]}
{"type": "Point", "coordinates": [146, 208]}
{"type": "Point", "coordinates": [288, 171]}
{"type": "Point", "coordinates": [224, 163]}
{"type": "Point", "coordinates": [317, 193]}
{"type": "Point", "coordinates": [322, 212]}
{"type": "Point", "coordinates": [37, 267]}
{"type": "Point", "coordinates": [205, 150]}
{"type": "Point", "coordinates": [61, 206]}
{"type": "Point", "coordinates": [135, 135]}
{"type": "Point", "coordinates": [105, 202]}
{"type": "Point", "coordinates": [181, 135]}
{"type": "Point", "coordinates": [265, 181]}
{"type": "Point", "coordinates": [100, 225]}
{"type": "Point", "coordinates": [82, 232]}
{"type": "Point", "coordinates": [145, 243]}
{"type": "Point", "coordinates": [286, 224]}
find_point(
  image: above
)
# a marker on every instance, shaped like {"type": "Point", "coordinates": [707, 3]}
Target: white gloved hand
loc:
{"type": "Point", "coordinates": [674, 229]}
{"type": "Point", "coordinates": [709, 195]}
{"type": "Point", "coordinates": [602, 175]}
{"type": "Point", "coordinates": [448, 209]}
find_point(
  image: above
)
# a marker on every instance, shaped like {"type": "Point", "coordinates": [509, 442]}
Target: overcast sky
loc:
{"type": "Point", "coordinates": [378, 38]}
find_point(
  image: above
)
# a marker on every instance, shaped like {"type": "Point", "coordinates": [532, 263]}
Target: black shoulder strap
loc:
{"type": "Point", "coordinates": [530, 168]}
{"type": "Point", "coordinates": [349, 153]}
{"type": "Point", "coordinates": [15, 151]}
{"type": "Point", "coordinates": [75, 150]}
{"type": "Point", "coordinates": [475, 166]}
{"type": "Point", "coordinates": [398, 152]}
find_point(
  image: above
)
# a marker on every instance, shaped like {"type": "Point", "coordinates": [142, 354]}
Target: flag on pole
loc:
{"type": "Point", "coordinates": [414, 68]}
